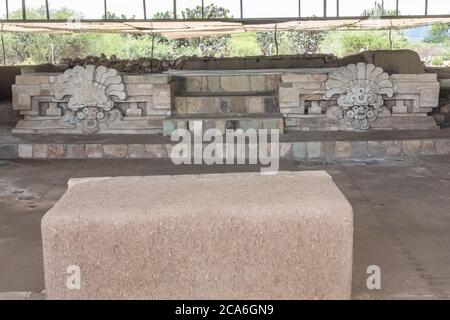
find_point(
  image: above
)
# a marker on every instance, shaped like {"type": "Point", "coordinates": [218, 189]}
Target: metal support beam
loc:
{"type": "Point", "coordinates": [203, 9]}
{"type": "Point", "coordinates": [242, 9]}
{"type": "Point", "coordinates": [174, 9]}
{"type": "Point", "coordinates": [47, 10]}
{"type": "Point", "coordinates": [337, 8]}
{"type": "Point", "coordinates": [105, 9]}
{"type": "Point", "coordinates": [299, 8]}
{"type": "Point", "coordinates": [144, 3]}
{"type": "Point", "coordinates": [324, 8]}
{"type": "Point", "coordinates": [396, 7]}
{"type": "Point", "coordinates": [426, 7]}
{"type": "Point", "coordinates": [24, 10]}
{"type": "Point", "coordinates": [7, 10]}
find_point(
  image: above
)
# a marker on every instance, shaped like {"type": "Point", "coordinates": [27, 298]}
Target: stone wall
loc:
{"type": "Point", "coordinates": [96, 99]}
{"type": "Point", "coordinates": [306, 107]}
{"type": "Point", "coordinates": [146, 101]}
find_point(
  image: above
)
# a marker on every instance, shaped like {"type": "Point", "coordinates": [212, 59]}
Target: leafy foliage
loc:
{"type": "Point", "coordinates": [438, 33]}
{"type": "Point", "coordinates": [306, 41]}
{"type": "Point", "coordinates": [266, 42]}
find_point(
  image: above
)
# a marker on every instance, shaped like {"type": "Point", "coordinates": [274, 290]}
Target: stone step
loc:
{"type": "Point", "coordinates": [225, 121]}
{"type": "Point", "coordinates": [266, 103]}
{"type": "Point", "coordinates": [302, 146]}
{"type": "Point", "coordinates": [217, 83]}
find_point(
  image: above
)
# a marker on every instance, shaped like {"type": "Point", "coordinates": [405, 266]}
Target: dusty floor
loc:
{"type": "Point", "coordinates": [402, 218]}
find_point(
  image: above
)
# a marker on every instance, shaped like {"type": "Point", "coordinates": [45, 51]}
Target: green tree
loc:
{"type": "Point", "coordinates": [307, 41]}
{"type": "Point", "coordinates": [26, 48]}
{"type": "Point", "coordinates": [438, 33]}
{"type": "Point", "coordinates": [378, 10]}
{"type": "Point", "coordinates": [207, 46]}
{"type": "Point", "coordinates": [269, 42]}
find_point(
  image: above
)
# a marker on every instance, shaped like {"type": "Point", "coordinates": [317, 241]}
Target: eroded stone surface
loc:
{"type": "Point", "coordinates": [235, 240]}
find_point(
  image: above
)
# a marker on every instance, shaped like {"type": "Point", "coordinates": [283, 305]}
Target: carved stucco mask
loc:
{"type": "Point", "coordinates": [360, 88]}
{"type": "Point", "coordinates": [90, 90]}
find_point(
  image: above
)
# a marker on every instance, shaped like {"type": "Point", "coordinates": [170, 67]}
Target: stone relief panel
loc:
{"type": "Point", "coordinates": [90, 90]}
{"type": "Point", "coordinates": [360, 89]}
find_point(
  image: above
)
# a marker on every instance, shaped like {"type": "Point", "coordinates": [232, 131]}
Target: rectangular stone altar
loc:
{"type": "Point", "coordinates": [224, 236]}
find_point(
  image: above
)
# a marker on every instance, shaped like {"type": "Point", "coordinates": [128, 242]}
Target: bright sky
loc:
{"type": "Point", "coordinates": [252, 8]}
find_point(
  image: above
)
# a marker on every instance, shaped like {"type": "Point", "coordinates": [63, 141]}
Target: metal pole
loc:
{"type": "Point", "coordinates": [203, 9]}
{"type": "Point", "coordinates": [24, 10]}
{"type": "Point", "coordinates": [426, 7]}
{"type": "Point", "coordinates": [299, 8]}
{"type": "Point", "coordinates": [145, 9]}
{"type": "Point", "coordinates": [7, 10]}
{"type": "Point", "coordinates": [106, 9]}
{"type": "Point", "coordinates": [242, 9]}
{"type": "Point", "coordinates": [396, 7]}
{"type": "Point", "coordinates": [47, 10]}
{"type": "Point", "coordinates": [337, 8]}
{"type": "Point", "coordinates": [174, 9]}
{"type": "Point", "coordinates": [324, 8]}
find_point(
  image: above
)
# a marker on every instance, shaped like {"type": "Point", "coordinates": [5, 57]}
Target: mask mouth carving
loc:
{"type": "Point", "coordinates": [91, 90]}
{"type": "Point", "coordinates": [360, 88]}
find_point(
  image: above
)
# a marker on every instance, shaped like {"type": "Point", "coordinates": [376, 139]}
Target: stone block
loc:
{"type": "Point", "coordinates": [428, 148]}
{"type": "Point", "coordinates": [258, 83]}
{"type": "Point", "coordinates": [376, 149]}
{"type": "Point", "coordinates": [399, 107]}
{"type": "Point", "coordinates": [9, 151]}
{"type": "Point", "coordinates": [314, 149]}
{"type": "Point", "coordinates": [235, 83]}
{"type": "Point", "coordinates": [327, 150]}
{"type": "Point", "coordinates": [289, 95]}
{"type": "Point", "coordinates": [193, 84]}
{"type": "Point", "coordinates": [304, 78]}
{"type": "Point", "coordinates": [26, 151]}
{"type": "Point", "coordinates": [299, 150]}
{"type": "Point", "coordinates": [55, 151]}
{"type": "Point", "coordinates": [238, 104]}
{"type": "Point", "coordinates": [393, 148]}
{"type": "Point", "coordinates": [115, 150]}
{"type": "Point", "coordinates": [255, 105]}
{"type": "Point", "coordinates": [411, 147]}
{"type": "Point", "coordinates": [246, 124]}
{"type": "Point", "coordinates": [156, 151]}
{"type": "Point", "coordinates": [75, 151]}
{"type": "Point", "coordinates": [343, 149]}
{"type": "Point", "coordinates": [286, 150]}
{"type": "Point", "coordinates": [40, 151]}
{"type": "Point", "coordinates": [238, 244]}
{"type": "Point", "coordinates": [136, 151]}
{"type": "Point", "coordinates": [443, 147]}
{"type": "Point", "coordinates": [162, 94]}
{"type": "Point", "coordinates": [360, 149]}
{"type": "Point", "coordinates": [272, 82]}
{"type": "Point", "coordinates": [169, 126]}
{"type": "Point", "coordinates": [213, 84]}
{"type": "Point", "coordinates": [94, 151]}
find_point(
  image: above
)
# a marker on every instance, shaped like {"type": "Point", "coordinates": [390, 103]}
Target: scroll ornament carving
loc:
{"type": "Point", "coordinates": [360, 88]}
{"type": "Point", "coordinates": [91, 90]}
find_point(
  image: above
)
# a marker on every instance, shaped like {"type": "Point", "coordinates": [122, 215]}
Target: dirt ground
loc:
{"type": "Point", "coordinates": [402, 218]}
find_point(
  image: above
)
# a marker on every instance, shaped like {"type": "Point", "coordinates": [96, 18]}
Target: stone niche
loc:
{"type": "Point", "coordinates": [357, 97]}
{"type": "Point", "coordinates": [88, 100]}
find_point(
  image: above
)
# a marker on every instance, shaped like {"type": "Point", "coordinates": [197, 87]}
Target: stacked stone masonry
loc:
{"type": "Point", "coordinates": [299, 150]}
{"type": "Point", "coordinates": [47, 106]}
{"type": "Point", "coordinates": [357, 97]}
